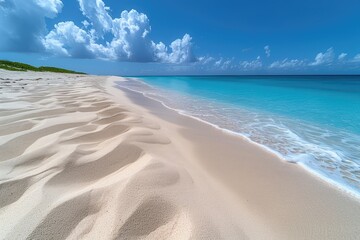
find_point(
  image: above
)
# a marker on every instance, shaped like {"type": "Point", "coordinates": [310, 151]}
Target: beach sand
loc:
{"type": "Point", "coordinates": [82, 159]}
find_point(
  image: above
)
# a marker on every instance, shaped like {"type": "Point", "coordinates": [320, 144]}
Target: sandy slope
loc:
{"type": "Point", "coordinates": [76, 164]}
{"type": "Point", "coordinates": [272, 198]}
{"type": "Point", "coordinates": [79, 160]}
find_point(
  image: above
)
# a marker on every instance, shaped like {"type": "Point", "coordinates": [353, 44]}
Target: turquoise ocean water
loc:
{"type": "Point", "coordinates": [310, 120]}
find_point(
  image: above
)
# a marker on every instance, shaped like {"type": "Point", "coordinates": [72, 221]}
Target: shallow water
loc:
{"type": "Point", "coordinates": [312, 120]}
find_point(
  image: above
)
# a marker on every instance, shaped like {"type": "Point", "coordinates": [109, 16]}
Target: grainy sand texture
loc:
{"type": "Point", "coordinates": [83, 159]}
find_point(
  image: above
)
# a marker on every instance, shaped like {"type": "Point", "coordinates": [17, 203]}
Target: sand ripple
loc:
{"type": "Point", "coordinates": [75, 164]}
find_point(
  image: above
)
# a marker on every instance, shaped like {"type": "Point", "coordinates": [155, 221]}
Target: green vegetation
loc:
{"type": "Point", "coordinates": [58, 70]}
{"type": "Point", "coordinates": [16, 66]}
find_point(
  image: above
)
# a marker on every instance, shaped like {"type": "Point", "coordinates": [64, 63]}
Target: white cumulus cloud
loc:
{"type": "Point", "coordinates": [251, 65]}
{"type": "Point", "coordinates": [181, 50]}
{"type": "Point", "coordinates": [342, 56]}
{"type": "Point", "coordinates": [288, 63]}
{"type": "Point", "coordinates": [125, 38]}
{"type": "Point", "coordinates": [206, 60]}
{"type": "Point", "coordinates": [130, 38]}
{"type": "Point", "coordinates": [221, 63]}
{"type": "Point", "coordinates": [22, 23]}
{"type": "Point", "coordinates": [356, 58]}
{"type": "Point", "coordinates": [97, 13]}
{"type": "Point", "coordinates": [50, 7]}
{"type": "Point", "coordinates": [324, 58]}
{"type": "Point", "coordinates": [67, 39]}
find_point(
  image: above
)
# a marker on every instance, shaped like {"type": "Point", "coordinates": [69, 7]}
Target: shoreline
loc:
{"type": "Point", "coordinates": [316, 187]}
{"type": "Point", "coordinates": [327, 180]}
{"type": "Point", "coordinates": [87, 160]}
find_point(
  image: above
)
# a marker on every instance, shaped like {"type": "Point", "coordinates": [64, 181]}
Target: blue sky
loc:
{"type": "Point", "coordinates": [136, 37]}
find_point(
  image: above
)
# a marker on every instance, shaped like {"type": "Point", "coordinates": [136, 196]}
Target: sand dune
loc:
{"type": "Point", "coordinates": [76, 164]}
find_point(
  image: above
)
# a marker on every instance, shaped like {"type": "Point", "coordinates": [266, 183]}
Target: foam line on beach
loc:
{"type": "Point", "coordinates": [336, 184]}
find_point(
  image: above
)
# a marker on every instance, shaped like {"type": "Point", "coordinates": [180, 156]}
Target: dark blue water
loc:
{"type": "Point", "coordinates": [313, 120]}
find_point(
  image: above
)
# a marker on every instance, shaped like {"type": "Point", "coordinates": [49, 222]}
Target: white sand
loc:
{"type": "Point", "coordinates": [80, 160]}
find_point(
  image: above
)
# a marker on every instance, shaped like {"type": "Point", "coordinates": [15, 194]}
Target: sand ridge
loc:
{"type": "Point", "coordinates": [82, 159]}
{"type": "Point", "coordinates": [75, 164]}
